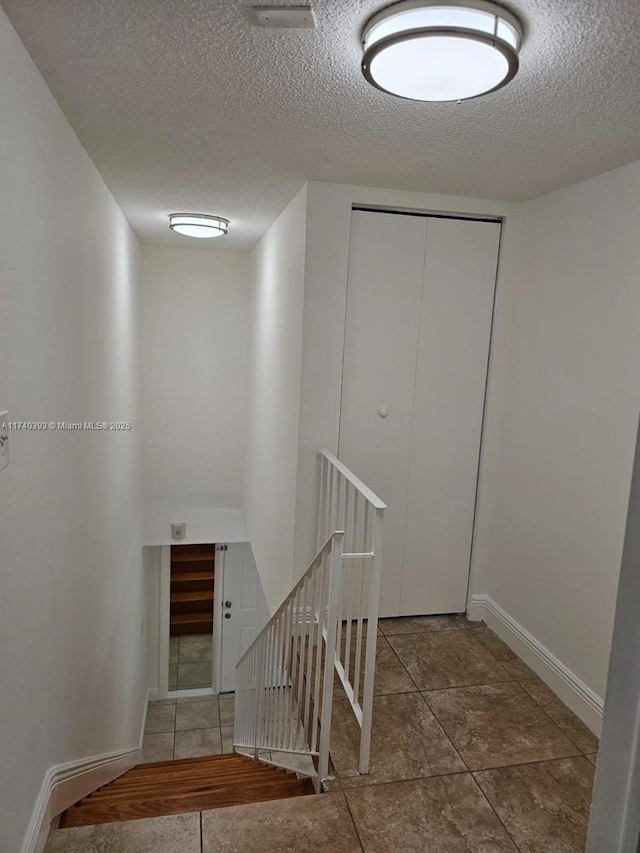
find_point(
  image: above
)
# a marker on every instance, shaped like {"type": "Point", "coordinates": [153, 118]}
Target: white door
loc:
{"type": "Point", "coordinates": [419, 307]}
{"type": "Point", "coordinates": [386, 266]}
{"type": "Point", "coordinates": [453, 351]}
{"type": "Point", "coordinates": [238, 609]}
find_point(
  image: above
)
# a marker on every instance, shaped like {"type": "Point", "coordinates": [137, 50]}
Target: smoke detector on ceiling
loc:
{"type": "Point", "coordinates": [285, 17]}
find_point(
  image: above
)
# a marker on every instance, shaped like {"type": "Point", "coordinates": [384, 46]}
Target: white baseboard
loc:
{"type": "Point", "coordinates": [65, 784]}
{"type": "Point", "coordinates": [572, 690]}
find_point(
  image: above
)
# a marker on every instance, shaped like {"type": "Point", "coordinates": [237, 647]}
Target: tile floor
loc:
{"type": "Point", "coordinates": [471, 753]}
{"type": "Point", "coordinates": [188, 727]}
{"type": "Point", "coordinates": [190, 661]}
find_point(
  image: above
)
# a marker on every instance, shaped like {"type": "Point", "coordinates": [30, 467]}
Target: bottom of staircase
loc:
{"type": "Point", "coordinates": [187, 785]}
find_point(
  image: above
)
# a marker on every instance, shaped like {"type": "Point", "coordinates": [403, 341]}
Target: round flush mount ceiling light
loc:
{"type": "Point", "coordinates": [198, 225]}
{"type": "Point", "coordinates": [429, 50]}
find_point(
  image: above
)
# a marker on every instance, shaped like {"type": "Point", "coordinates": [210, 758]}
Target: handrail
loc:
{"type": "Point", "coordinates": [296, 588]}
{"type": "Point", "coordinates": [326, 624]}
{"type": "Point", "coordinates": [365, 491]}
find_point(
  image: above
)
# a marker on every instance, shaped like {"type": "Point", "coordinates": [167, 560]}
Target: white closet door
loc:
{"type": "Point", "coordinates": [455, 329]}
{"type": "Point", "coordinates": [386, 266]}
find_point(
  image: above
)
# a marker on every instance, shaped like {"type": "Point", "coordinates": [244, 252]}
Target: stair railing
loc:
{"type": "Point", "coordinates": [326, 625]}
{"type": "Point", "coordinates": [347, 504]}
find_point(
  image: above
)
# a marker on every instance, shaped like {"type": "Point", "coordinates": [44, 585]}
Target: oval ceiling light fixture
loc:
{"type": "Point", "coordinates": [198, 225]}
{"type": "Point", "coordinates": [429, 50]}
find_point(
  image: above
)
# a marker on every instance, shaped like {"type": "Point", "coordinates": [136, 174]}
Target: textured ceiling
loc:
{"type": "Point", "coordinates": [184, 105]}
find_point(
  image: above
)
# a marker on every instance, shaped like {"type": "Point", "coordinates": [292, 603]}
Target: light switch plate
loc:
{"type": "Point", "coordinates": [4, 439]}
{"type": "Point", "coordinates": [178, 530]}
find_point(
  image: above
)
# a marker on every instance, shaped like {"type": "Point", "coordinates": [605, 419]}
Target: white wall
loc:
{"type": "Point", "coordinates": [270, 486]}
{"type": "Point", "coordinates": [71, 595]}
{"type": "Point", "coordinates": [553, 524]}
{"type": "Point", "coordinates": [195, 374]}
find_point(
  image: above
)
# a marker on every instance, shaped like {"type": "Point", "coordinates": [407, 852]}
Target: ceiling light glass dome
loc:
{"type": "Point", "coordinates": [435, 51]}
{"type": "Point", "coordinates": [198, 225]}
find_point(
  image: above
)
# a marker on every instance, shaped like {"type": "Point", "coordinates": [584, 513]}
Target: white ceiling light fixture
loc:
{"type": "Point", "coordinates": [198, 225]}
{"type": "Point", "coordinates": [429, 50]}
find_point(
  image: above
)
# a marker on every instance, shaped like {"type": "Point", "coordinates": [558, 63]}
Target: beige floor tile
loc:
{"type": "Point", "coordinates": [197, 715]}
{"type": "Point", "coordinates": [390, 674]}
{"type": "Point", "coordinates": [158, 702]}
{"type": "Point", "coordinates": [501, 652]}
{"type": "Point", "coordinates": [571, 725]}
{"type": "Point", "coordinates": [544, 806]}
{"type": "Point", "coordinates": [157, 747]}
{"type": "Point", "coordinates": [498, 724]}
{"type": "Point", "coordinates": [420, 624]}
{"type": "Point", "coordinates": [172, 834]}
{"type": "Point", "coordinates": [203, 697]}
{"type": "Point", "coordinates": [226, 733]}
{"type": "Point", "coordinates": [192, 675]}
{"type": "Point", "coordinates": [321, 824]}
{"type": "Point", "coordinates": [447, 659]}
{"type": "Point", "coordinates": [195, 648]}
{"type": "Point", "coordinates": [197, 742]}
{"type": "Point", "coordinates": [444, 815]}
{"type": "Point", "coordinates": [407, 741]}
{"type": "Point", "coordinates": [160, 718]}
{"type": "Point", "coordinates": [517, 668]}
{"type": "Point", "coordinates": [227, 708]}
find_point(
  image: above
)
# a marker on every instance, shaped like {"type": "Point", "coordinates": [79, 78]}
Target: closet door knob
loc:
{"type": "Point", "coordinates": [383, 411]}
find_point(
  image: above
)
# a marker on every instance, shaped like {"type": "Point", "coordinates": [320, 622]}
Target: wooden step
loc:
{"type": "Point", "coordinates": [195, 783]}
{"type": "Point", "coordinates": [200, 601]}
{"type": "Point", "coordinates": [183, 550]}
{"type": "Point", "coordinates": [175, 763]}
{"type": "Point", "coordinates": [134, 779]}
{"type": "Point", "coordinates": [187, 785]}
{"type": "Point", "coordinates": [191, 623]}
{"type": "Point", "coordinates": [192, 581]}
{"type": "Point", "coordinates": [187, 566]}
{"type": "Point", "coordinates": [181, 559]}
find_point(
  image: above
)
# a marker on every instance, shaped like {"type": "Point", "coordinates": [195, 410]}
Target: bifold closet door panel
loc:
{"type": "Point", "coordinates": [455, 332]}
{"type": "Point", "coordinates": [386, 266]}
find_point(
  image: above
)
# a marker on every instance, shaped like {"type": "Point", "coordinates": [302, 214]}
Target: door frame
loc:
{"type": "Point", "coordinates": [164, 643]}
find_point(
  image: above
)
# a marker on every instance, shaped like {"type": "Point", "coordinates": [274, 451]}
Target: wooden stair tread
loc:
{"type": "Point", "coordinates": [186, 785]}
{"type": "Point", "coordinates": [192, 557]}
{"type": "Point", "coordinates": [183, 762]}
{"type": "Point", "coordinates": [177, 618]}
{"type": "Point", "coordinates": [186, 778]}
{"type": "Point", "coordinates": [195, 547]}
{"type": "Point", "coordinates": [204, 575]}
{"type": "Point", "coordinates": [193, 595]}
{"type": "Point", "coordinates": [187, 770]}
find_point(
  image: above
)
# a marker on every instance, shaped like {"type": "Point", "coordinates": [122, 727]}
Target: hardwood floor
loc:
{"type": "Point", "coordinates": [189, 785]}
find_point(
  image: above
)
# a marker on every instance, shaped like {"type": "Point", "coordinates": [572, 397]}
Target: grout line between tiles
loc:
{"type": "Point", "coordinates": [353, 820]}
{"type": "Point", "coordinates": [529, 763]}
{"type": "Point", "coordinates": [374, 783]}
{"type": "Point", "coordinates": [544, 710]}
{"type": "Point", "coordinates": [490, 804]}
